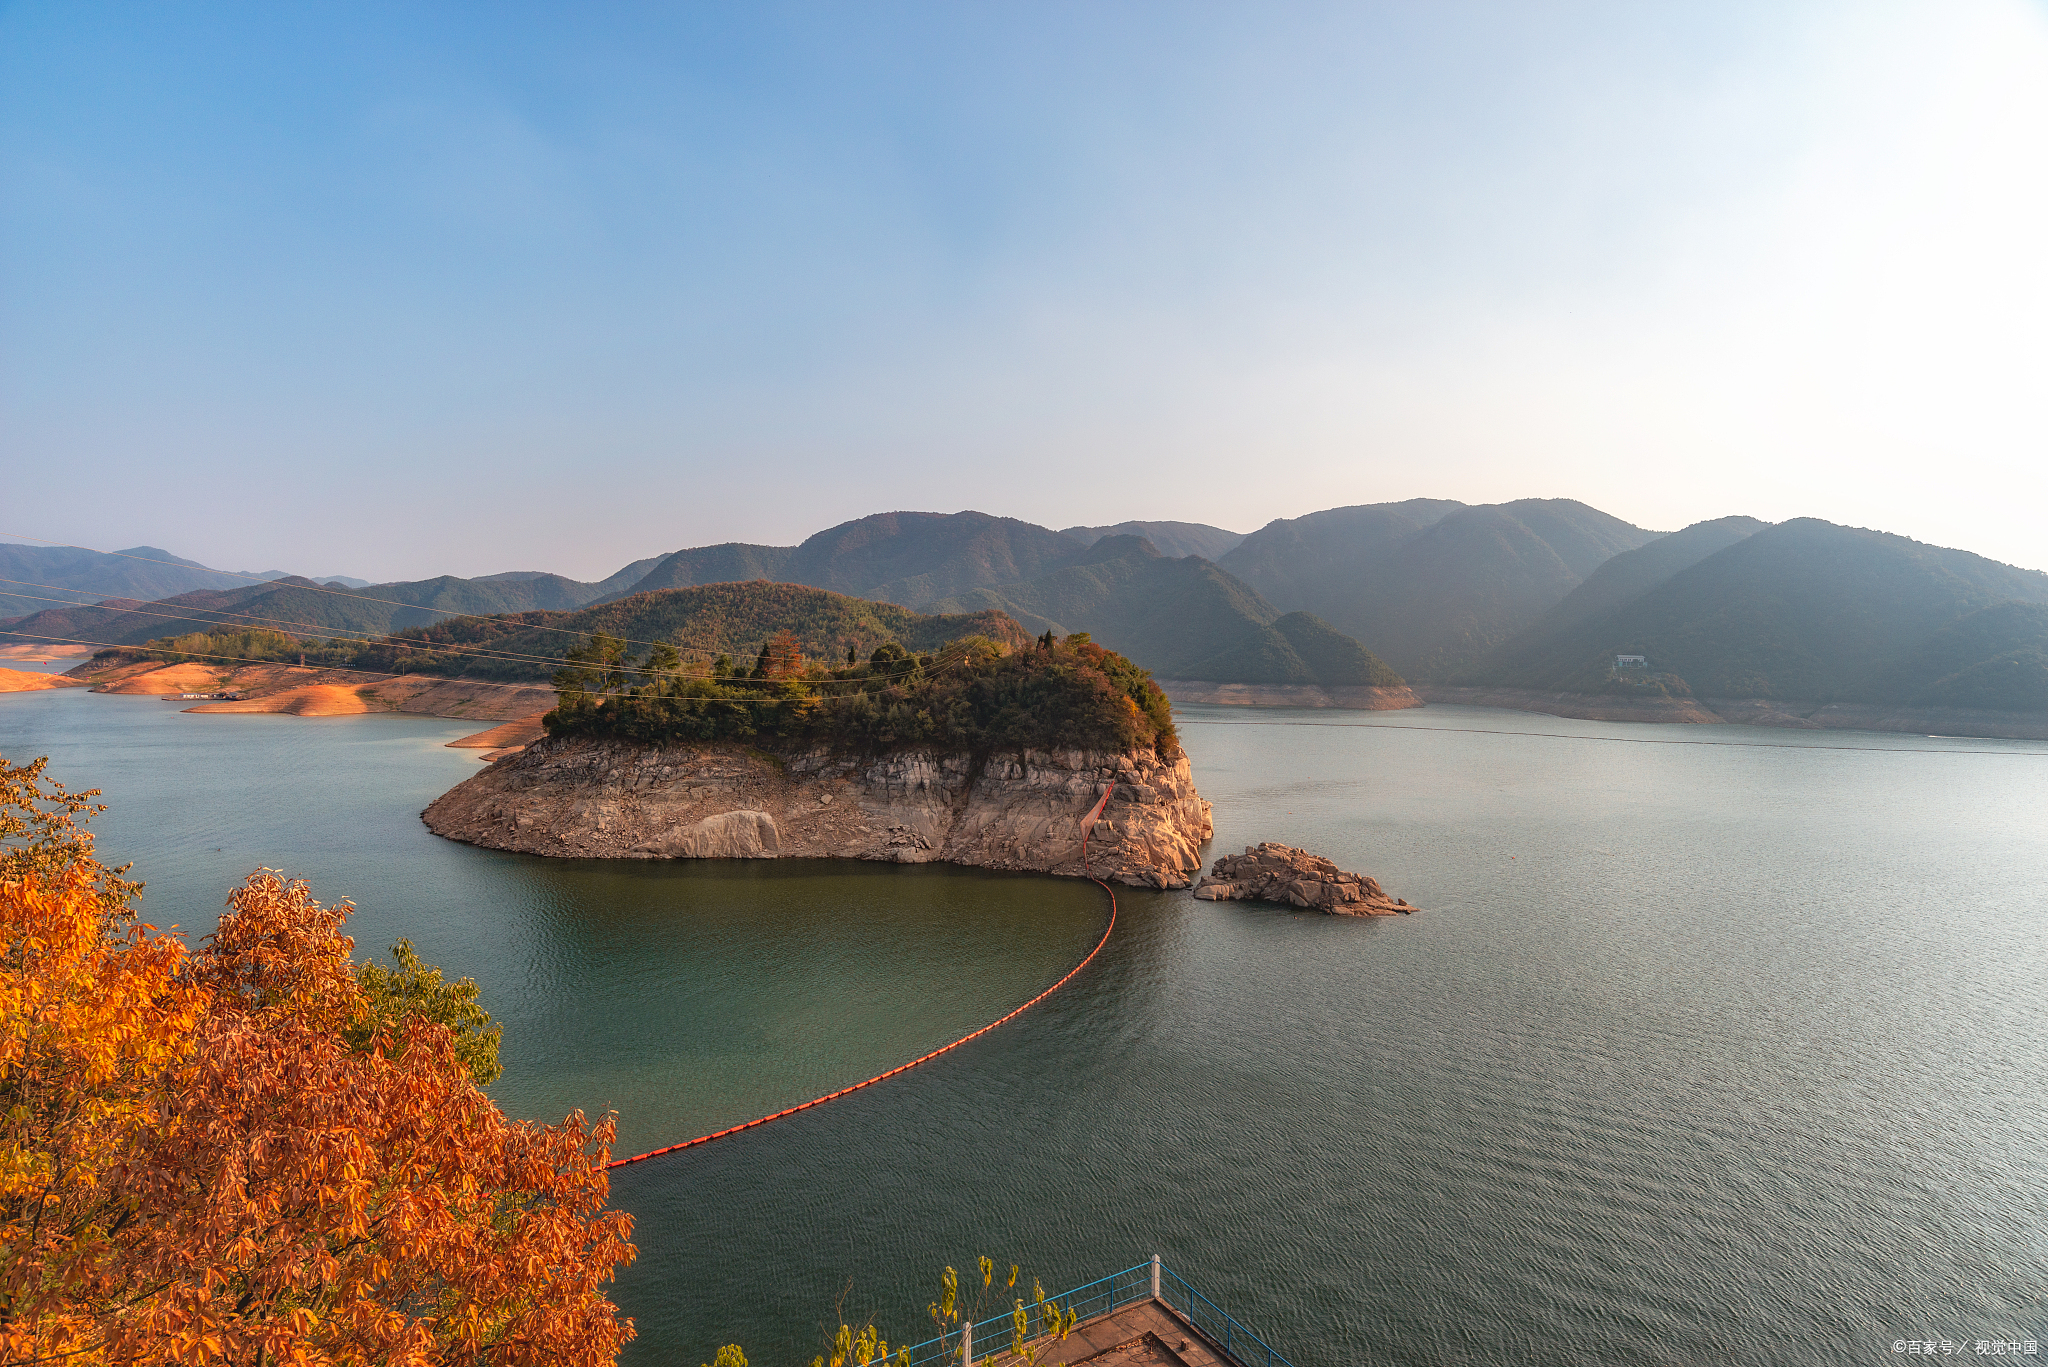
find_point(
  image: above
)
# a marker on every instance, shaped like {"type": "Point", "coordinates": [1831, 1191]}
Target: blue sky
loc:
{"type": "Point", "coordinates": [410, 289]}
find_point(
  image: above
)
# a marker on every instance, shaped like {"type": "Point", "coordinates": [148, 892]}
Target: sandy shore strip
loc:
{"type": "Point", "coordinates": [513, 734]}
{"type": "Point", "coordinates": [1354, 697]}
{"type": "Point", "coordinates": [42, 654]}
{"type": "Point", "coordinates": [185, 678]}
{"type": "Point", "coordinates": [311, 691]}
{"type": "Point", "coordinates": [32, 681]}
{"type": "Point", "coordinates": [314, 700]}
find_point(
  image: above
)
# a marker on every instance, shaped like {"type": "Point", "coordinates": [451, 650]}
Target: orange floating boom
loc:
{"type": "Point", "coordinates": [1087, 825]}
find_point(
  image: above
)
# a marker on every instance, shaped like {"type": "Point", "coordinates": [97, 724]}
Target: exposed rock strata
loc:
{"type": "Point", "coordinates": [1353, 697]}
{"type": "Point", "coordinates": [607, 799]}
{"type": "Point", "coordinates": [1281, 873]}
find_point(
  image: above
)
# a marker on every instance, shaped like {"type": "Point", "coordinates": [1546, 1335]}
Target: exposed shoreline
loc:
{"type": "Point", "coordinates": [1353, 697]}
{"type": "Point", "coordinates": [1791, 713]}
{"type": "Point", "coordinates": [32, 680]}
{"type": "Point", "coordinates": [311, 691]}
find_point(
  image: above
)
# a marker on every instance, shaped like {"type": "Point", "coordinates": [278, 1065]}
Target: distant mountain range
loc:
{"type": "Point", "coordinates": [907, 558]}
{"type": "Point", "coordinates": [1538, 594]}
{"type": "Point", "coordinates": [31, 577]}
{"type": "Point", "coordinates": [1181, 619]}
{"type": "Point", "coordinates": [1172, 538]}
{"type": "Point", "coordinates": [1431, 585]}
{"type": "Point", "coordinates": [301, 607]}
{"type": "Point", "coordinates": [1804, 610]}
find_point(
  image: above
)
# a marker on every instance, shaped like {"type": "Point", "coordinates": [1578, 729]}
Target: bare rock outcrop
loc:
{"type": "Point", "coordinates": [1281, 873]}
{"type": "Point", "coordinates": [590, 798]}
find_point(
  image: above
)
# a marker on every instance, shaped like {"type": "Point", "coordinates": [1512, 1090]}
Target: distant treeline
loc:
{"type": "Point", "coordinates": [699, 623]}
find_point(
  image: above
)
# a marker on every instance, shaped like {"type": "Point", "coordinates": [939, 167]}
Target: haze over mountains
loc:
{"type": "Point", "coordinates": [1537, 594]}
{"type": "Point", "coordinates": [1430, 585]}
{"type": "Point", "coordinates": [302, 606]}
{"type": "Point", "coordinates": [1180, 618]}
{"type": "Point", "coordinates": [32, 576]}
{"type": "Point", "coordinates": [1802, 611]}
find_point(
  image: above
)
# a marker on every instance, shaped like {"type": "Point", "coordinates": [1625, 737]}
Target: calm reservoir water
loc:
{"type": "Point", "coordinates": [1699, 1051]}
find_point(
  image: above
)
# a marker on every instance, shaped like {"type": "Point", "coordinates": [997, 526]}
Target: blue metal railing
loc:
{"type": "Point", "coordinates": [1217, 1324]}
{"type": "Point", "coordinates": [995, 1337]}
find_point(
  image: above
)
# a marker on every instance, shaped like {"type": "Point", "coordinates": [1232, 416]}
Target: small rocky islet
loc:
{"type": "Point", "coordinates": [1271, 872]}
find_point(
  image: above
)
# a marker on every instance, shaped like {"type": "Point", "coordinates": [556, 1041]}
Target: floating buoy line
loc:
{"type": "Point", "coordinates": [1087, 825]}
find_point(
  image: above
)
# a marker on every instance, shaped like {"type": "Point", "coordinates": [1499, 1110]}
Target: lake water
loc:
{"type": "Point", "coordinates": [1697, 1051]}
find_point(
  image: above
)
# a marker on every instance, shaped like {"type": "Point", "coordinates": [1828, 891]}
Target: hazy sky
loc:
{"type": "Point", "coordinates": [412, 289]}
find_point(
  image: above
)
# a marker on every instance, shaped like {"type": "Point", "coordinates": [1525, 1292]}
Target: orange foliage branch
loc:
{"type": "Point", "coordinates": [197, 1165]}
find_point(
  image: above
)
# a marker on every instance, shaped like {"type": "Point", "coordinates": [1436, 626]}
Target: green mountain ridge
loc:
{"type": "Point", "coordinates": [1810, 611]}
{"type": "Point", "coordinates": [1174, 539]}
{"type": "Point", "coordinates": [30, 576]}
{"type": "Point", "coordinates": [906, 558]}
{"type": "Point", "coordinates": [1181, 619]}
{"type": "Point", "coordinates": [1431, 585]}
{"type": "Point", "coordinates": [726, 563]}
{"type": "Point", "coordinates": [1631, 574]}
{"type": "Point", "coordinates": [301, 607]}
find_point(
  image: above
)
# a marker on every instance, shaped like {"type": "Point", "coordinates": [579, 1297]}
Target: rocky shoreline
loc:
{"type": "Point", "coordinates": [577, 797]}
{"type": "Point", "coordinates": [1271, 872]}
{"type": "Point", "coordinates": [1585, 706]}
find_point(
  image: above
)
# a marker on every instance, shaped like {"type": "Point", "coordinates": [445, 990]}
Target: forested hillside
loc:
{"type": "Point", "coordinates": [301, 607]}
{"type": "Point", "coordinates": [30, 576]}
{"type": "Point", "coordinates": [918, 558]}
{"type": "Point", "coordinates": [1631, 574]}
{"type": "Point", "coordinates": [1181, 619]}
{"type": "Point", "coordinates": [127, 621]}
{"type": "Point", "coordinates": [1539, 594]}
{"type": "Point", "coordinates": [1809, 610]}
{"type": "Point", "coordinates": [906, 558]}
{"type": "Point", "coordinates": [1174, 539]}
{"type": "Point", "coordinates": [700, 623]}
{"type": "Point", "coordinates": [1429, 585]}
{"type": "Point", "coordinates": [730, 562]}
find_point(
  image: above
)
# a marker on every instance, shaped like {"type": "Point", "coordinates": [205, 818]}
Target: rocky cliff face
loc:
{"type": "Point", "coordinates": [607, 799]}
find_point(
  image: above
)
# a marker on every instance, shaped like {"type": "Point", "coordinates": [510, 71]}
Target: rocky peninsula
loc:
{"type": "Point", "coordinates": [604, 798]}
{"type": "Point", "coordinates": [1280, 873]}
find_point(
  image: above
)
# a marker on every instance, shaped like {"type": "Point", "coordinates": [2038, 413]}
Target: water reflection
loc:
{"type": "Point", "coordinates": [1695, 1053]}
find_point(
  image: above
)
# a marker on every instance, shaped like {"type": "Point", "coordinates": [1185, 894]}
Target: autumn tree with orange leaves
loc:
{"type": "Point", "coordinates": [236, 1155]}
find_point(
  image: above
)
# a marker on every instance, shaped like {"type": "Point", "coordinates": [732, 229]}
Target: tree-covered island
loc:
{"type": "Point", "coordinates": [974, 694]}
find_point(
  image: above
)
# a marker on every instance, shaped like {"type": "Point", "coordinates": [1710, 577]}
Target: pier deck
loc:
{"type": "Point", "coordinates": [1145, 1334]}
